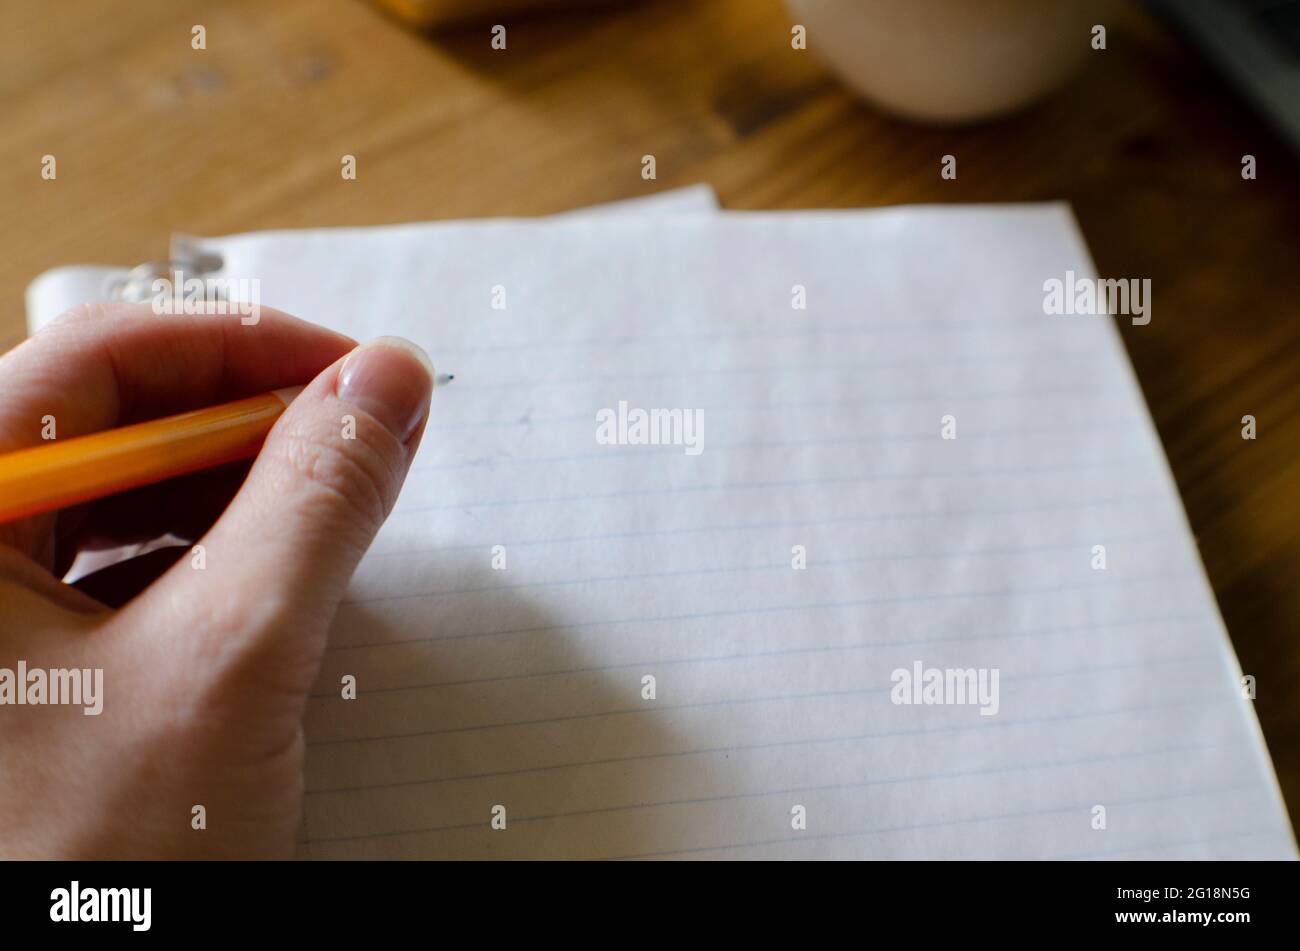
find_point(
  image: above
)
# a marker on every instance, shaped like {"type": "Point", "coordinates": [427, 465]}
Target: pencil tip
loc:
{"type": "Point", "coordinates": [442, 379]}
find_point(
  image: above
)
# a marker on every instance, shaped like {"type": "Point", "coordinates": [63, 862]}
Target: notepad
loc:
{"type": "Point", "coordinates": [926, 590]}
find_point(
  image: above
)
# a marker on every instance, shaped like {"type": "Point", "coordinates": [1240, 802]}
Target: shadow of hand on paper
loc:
{"type": "Point", "coordinates": [458, 714]}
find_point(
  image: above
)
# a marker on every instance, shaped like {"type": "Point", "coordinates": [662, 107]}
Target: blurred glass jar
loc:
{"type": "Point", "coordinates": [950, 60]}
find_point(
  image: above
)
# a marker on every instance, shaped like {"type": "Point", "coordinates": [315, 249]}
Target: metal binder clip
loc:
{"type": "Point", "coordinates": [139, 284]}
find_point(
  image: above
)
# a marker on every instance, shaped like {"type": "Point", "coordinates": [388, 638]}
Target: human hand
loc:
{"type": "Point", "coordinates": [205, 671]}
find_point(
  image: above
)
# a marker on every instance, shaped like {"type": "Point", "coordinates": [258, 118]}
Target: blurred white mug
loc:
{"type": "Point", "coordinates": [950, 60]}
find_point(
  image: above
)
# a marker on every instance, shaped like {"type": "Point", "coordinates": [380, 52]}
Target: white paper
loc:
{"type": "Point", "coordinates": [482, 690]}
{"type": "Point", "coordinates": [59, 289]}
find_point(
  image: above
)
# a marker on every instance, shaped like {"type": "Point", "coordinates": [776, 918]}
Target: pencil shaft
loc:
{"type": "Point", "coordinates": [67, 472]}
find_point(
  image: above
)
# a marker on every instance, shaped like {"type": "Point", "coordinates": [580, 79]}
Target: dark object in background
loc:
{"type": "Point", "coordinates": [1256, 43]}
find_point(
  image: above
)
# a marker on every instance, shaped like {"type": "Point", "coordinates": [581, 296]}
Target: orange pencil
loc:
{"type": "Point", "coordinates": [65, 472]}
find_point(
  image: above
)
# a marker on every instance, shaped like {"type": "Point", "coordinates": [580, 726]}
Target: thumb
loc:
{"type": "Point", "coordinates": [277, 562]}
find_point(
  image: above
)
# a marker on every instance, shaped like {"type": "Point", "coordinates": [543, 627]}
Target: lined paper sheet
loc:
{"type": "Point", "coordinates": [524, 687]}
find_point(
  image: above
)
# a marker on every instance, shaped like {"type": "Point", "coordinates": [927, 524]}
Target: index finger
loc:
{"type": "Point", "coordinates": [103, 365]}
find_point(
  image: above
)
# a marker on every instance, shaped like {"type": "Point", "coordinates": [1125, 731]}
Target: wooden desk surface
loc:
{"type": "Point", "coordinates": [151, 137]}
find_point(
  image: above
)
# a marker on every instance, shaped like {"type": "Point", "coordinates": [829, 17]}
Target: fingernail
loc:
{"type": "Point", "coordinates": [391, 379]}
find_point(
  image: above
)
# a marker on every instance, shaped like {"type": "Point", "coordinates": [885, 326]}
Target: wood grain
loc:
{"type": "Point", "coordinates": [1146, 143]}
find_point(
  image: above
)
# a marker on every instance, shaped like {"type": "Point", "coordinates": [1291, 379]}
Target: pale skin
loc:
{"type": "Point", "coordinates": [206, 672]}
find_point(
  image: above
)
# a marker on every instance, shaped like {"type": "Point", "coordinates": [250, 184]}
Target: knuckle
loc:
{"type": "Point", "coordinates": [95, 313]}
{"type": "Point", "coordinates": [79, 314]}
